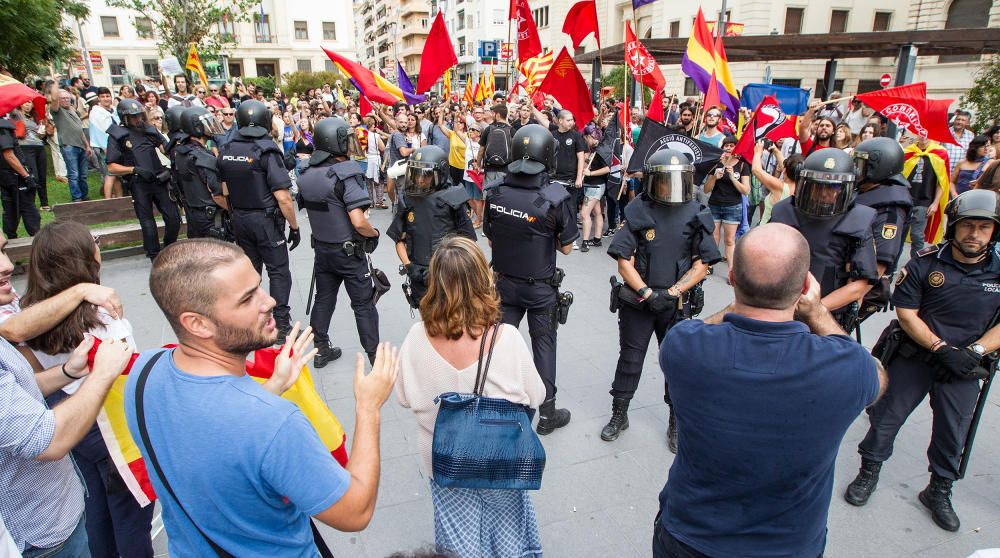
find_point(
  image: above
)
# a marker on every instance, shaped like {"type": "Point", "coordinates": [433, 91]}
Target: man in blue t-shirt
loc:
{"type": "Point", "coordinates": [762, 402]}
{"type": "Point", "coordinates": [245, 468]}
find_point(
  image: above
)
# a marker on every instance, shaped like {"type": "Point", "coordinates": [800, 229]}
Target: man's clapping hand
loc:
{"type": "Point", "coordinates": [293, 356]}
{"type": "Point", "coordinates": [372, 390]}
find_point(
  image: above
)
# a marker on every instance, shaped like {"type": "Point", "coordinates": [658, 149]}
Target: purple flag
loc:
{"type": "Point", "coordinates": [637, 3]}
{"type": "Point", "coordinates": [409, 92]}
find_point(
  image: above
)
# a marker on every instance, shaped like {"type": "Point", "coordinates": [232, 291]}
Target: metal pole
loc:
{"type": "Point", "coordinates": [905, 65]}
{"type": "Point", "coordinates": [720, 27]}
{"type": "Point", "coordinates": [84, 53]}
{"type": "Point", "coordinates": [829, 78]}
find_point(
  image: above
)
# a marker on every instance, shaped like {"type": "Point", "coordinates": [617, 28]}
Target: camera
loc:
{"type": "Point", "coordinates": [768, 144]}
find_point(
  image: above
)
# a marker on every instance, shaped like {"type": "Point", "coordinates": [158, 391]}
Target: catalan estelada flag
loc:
{"type": "Point", "coordinates": [937, 157]}
{"type": "Point", "coordinates": [194, 64]}
{"type": "Point", "coordinates": [125, 453]}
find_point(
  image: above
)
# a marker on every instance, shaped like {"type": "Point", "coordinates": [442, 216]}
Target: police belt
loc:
{"type": "Point", "coordinates": [554, 280]}
{"type": "Point", "coordinates": [265, 210]}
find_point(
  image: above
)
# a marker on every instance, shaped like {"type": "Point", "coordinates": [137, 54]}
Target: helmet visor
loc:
{"type": "Point", "coordinates": [210, 125]}
{"type": "Point", "coordinates": [824, 196]}
{"type": "Point", "coordinates": [420, 180]}
{"type": "Point", "coordinates": [136, 120]}
{"type": "Point", "coordinates": [861, 163]}
{"type": "Point", "coordinates": [670, 185]}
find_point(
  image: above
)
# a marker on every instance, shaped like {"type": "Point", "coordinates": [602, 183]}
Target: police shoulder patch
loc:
{"type": "Point", "coordinates": [128, 144]}
{"type": "Point", "coordinates": [409, 217]}
{"type": "Point", "coordinates": [901, 276]}
{"type": "Point", "coordinates": [935, 279]}
{"type": "Point", "coordinates": [889, 231]}
{"type": "Point", "coordinates": [928, 250]}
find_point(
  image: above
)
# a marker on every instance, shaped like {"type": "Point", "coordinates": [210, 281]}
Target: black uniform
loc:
{"type": "Point", "coordinates": [16, 192]}
{"type": "Point", "coordinates": [252, 169]}
{"type": "Point", "coordinates": [198, 177]}
{"type": "Point", "coordinates": [329, 192]}
{"type": "Point", "coordinates": [526, 217]}
{"type": "Point", "coordinates": [665, 241]}
{"type": "Point", "coordinates": [891, 202]}
{"type": "Point", "coordinates": [137, 148]}
{"type": "Point", "coordinates": [177, 144]}
{"type": "Point", "coordinates": [421, 223]}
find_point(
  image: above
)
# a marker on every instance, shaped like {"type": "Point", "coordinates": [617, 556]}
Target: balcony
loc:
{"type": "Point", "coordinates": [413, 6]}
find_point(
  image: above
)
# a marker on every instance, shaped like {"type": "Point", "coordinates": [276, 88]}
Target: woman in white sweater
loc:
{"type": "Point", "coordinates": [440, 354]}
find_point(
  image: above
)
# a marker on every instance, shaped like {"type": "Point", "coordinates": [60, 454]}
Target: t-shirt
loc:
{"type": "Point", "coordinates": [724, 193]}
{"type": "Point", "coordinates": [714, 139]}
{"type": "Point", "coordinates": [456, 152]}
{"type": "Point", "coordinates": [568, 144]}
{"type": "Point", "coordinates": [68, 126]}
{"type": "Point", "coordinates": [597, 163]}
{"type": "Point", "coordinates": [763, 407]}
{"type": "Point", "coordinates": [923, 183]}
{"type": "Point", "coordinates": [516, 125]}
{"type": "Point", "coordinates": [100, 120]}
{"type": "Point", "coordinates": [397, 140]}
{"type": "Point", "coordinates": [251, 477]}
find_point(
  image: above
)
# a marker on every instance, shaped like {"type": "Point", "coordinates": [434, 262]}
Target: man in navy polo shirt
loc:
{"type": "Point", "coordinates": [761, 410]}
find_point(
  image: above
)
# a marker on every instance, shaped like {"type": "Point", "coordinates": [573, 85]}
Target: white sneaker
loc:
{"type": "Point", "coordinates": [576, 246]}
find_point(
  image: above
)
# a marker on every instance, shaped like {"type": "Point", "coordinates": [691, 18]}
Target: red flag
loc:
{"type": "Point", "coordinates": [365, 78]}
{"type": "Point", "coordinates": [656, 107]}
{"type": "Point", "coordinates": [768, 121]}
{"type": "Point", "coordinates": [643, 66]}
{"type": "Point", "coordinates": [581, 20]}
{"type": "Point", "coordinates": [364, 106]}
{"type": "Point", "coordinates": [712, 99]}
{"type": "Point", "coordinates": [438, 55]}
{"type": "Point", "coordinates": [528, 43]}
{"type": "Point", "coordinates": [14, 93]}
{"type": "Point", "coordinates": [566, 84]}
{"type": "Point", "coordinates": [909, 107]}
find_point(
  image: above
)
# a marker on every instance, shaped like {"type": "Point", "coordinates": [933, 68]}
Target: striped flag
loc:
{"type": "Point", "coordinates": [14, 93]}
{"type": "Point", "coordinates": [194, 64]}
{"type": "Point", "coordinates": [535, 70]}
{"type": "Point", "coordinates": [491, 85]}
{"type": "Point", "coordinates": [447, 84]}
{"type": "Point", "coordinates": [470, 95]}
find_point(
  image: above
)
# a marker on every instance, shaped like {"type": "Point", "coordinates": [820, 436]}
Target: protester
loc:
{"type": "Point", "coordinates": [815, 132]}
{"type": "Point", "coordinates": [963, 137]}
{"type": "Point", "coordinates": [442, 354]}
{"type": "Point", "coordinates": [843, 138]}
{"type": "Point", "coordinates": [476, 201]}
{"type": "Point", "coordinates": [375, 170]}
{"type": "Point", "coordinates": [725, 184]}
{"type": "Point", "coordinates": [856, 116]}
{"type": "Point", "coordinates": [73, 142]}
{"type": "Point", "coordinates": [868, 131]}
{"type": "Point", "coordinates": [685, 121]}
{"type": "Point", "coordinates": [594, 184]}
{"type": "Point", "coordinates": [101, 118]}
{"type": "Point", "coordinates": [710, 132]}
{"type": "Point", "coordinates": [182, 96]}
{"type": "Point", "coordinates": [777, 188]}
{"type": "Point", "coordinates": [217, 97]}
{"type": "Point", "coordinates": [967, 170]}
{"type": "Point", "coordinates": [926, 171]}
{"type": "Point", "coordinates": [732, 490]}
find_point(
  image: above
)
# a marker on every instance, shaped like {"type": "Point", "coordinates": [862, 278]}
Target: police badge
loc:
{"type": "Point", "coordinates": [889, 231]}
{"type": "Point", "coordinates": [650, 234]}
{"type": "Point", "coordinates": [935, 279]}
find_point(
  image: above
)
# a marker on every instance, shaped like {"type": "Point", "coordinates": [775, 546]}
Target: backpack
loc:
{"type": "Point", "coordinates": [498, 146]}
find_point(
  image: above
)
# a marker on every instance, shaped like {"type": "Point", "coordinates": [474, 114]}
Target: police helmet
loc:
{"type": "Point", "coordinates": [426, 171]}
{"type": "Point", "coordinates": [198, 122]}
{"type": "Point", "coordinates": [253, 119]}
{"type": "Point", "coordinates": [330, 137]}
{"type": "Point", "coordinates": [973, 204]}
{"type": "Point", "coordinates": [131, 113]}
{"type": "Point", "coordinates": [532, 150]}
{"type": "Point", "coordinates": [826, 184]}
{"type": "Point", "coordinates": [173, 118]}
{"type": "Point", "coordinates": [668, 177]}
{"type": "Point", "coordinates": [877, 159]}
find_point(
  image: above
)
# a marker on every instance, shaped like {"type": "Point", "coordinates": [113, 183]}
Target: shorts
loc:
{"type": "Point", "coordinates": [363, 163]}
{"type": "Point", "coordinates": [728, 214]}
{"type": "Point", "coordinates": [373, 167]}
{"type": "Point", "coordinates": [100, 156]}
{"type": "Point", "coordinates": [473, 190]}
{"type": "Point", "coordinates": [594, 192]}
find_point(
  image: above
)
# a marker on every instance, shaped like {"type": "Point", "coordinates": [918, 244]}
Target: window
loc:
{"type": "Point", "coordinates": [267, 69]}
{"type": "Point", "coordinates": [498, 17]}
{"type": "Point", "coordinates": [236, 69]}
{"type": "Point", "coordinates": [838, 21]}
{"type": "Point", "coordinates": [882, 21]}
{"type": "Point", "coordinates": [461, 46]}
{"type": "Point", "coordinates": [675, 29]}
{"type": "Point", "coordinates": [690, 89]}
{"type": "Point", "coordinates": [966, 14]}
{"type": "Point", "coordinates": [328, 65]}
{"type": "Point", "coordinates": [109, 24]}
{"type": "Point", "coordinates": [838, 85]}
{"type": "Point", "coordinates": [150, 68]}
{"type": "Point", "coordinates": [226, 27]}
{"type": "Point", "coordinates": [118, 71]}
{"type": "Point", "coordinates": [263, 31]}
{"type": "Point", "coordinates": [461, 19]}
{"type": "Point", "coordinates": [329, 31]}
{"type": "Point", "coordinates": [868, 85]}
{"type": "Point", "coordinates": [788, 82]}
{"type": "Point", "coordinates": [541, 16]}
{"type": "Point", "coordinates": [423, 23]}
{"type": "Point", "coordinates": [304, 65]}
{"type": "Point", "coordinates": [793, 20]}
{"type": "Point", "coordinates": [301, 31]}
{"type": "Point", "coordinates": [144, 28]}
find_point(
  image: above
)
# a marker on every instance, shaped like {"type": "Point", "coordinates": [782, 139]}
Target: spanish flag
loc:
{"type": "Point", "coordinates": [936, 156]}
{"type": "Point", "coordinates": [125, 453]}
{"type": "Point", "coordinates": [194, 64]}
{"type": "Point", "coordinates": [14, 93]}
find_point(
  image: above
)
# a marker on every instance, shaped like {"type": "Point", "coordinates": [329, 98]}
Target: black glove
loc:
{"type": "Point", "coordinates": [660, 302]}
{"type": "Point", "coordinates": [963, 364]}
{"type": "Point", "coordinates": [294, 237]}
{"type": "Point", "coordinates": [29, 183]}
{"type": "Point", "coordinates": [370, 243]}
{"type": "Point", "coordinates": [416, 273]}
{"type": "Point", "coordinates": [145, 174]}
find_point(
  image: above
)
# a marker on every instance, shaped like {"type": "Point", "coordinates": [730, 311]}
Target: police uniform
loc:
{"type": "Point", "coordinates": [16, 192]}
{"type": "Point", "coordinates": [199, 181]}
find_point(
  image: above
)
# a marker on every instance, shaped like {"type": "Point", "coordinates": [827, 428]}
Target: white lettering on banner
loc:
{"type": "Point", "coordinates": [515, 213]}
{"type": "Point", "coordinates": [905, 115]}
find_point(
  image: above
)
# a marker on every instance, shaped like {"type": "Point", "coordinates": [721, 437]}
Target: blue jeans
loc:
{"type": "Point", "coordinates": [76, 170]}
{"type": "Point", "coordinates": [73, 547]}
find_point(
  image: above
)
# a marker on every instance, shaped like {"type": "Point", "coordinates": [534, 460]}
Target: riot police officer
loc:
{"type": "Point", "coordinates": [256, 184]}
{"type": "Point", "coordinates": [198, 174]}
{"type": "Point", "coordinates": [839, 231]}
{"type": "Point", "coordinates": [333, 191]}
{"type": "Point", "coordinates": [17, 185]}
{"type": "Point", "coordinates": [176, 144]}
{"type": "Point", "coordinates": [663, 253]}
{"type": "Point", "coordinates": [430, 211]}
{"type": "Point", "coordinates": [947, 300]}
{"type": "Point", "coordinates": [527, 219]}
{"type": "Point", "coordinates": [132, 154]}
{"type": "Point", "coordinates": [882, 187]}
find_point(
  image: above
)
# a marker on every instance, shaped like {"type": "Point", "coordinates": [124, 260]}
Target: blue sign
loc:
{"type": "Point", "coordinates": [489, 49]}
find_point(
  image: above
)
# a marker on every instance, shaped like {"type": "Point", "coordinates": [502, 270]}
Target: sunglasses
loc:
{"type": "Point", "coordinates": [227, 113]}
{"type": "Point", "coordinates": [157, 118]}
{"type": "Point", "coordinates": [713, 115]}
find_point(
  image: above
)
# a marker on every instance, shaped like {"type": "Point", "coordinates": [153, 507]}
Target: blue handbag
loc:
{"type": "Point", "coordinates": [485, 442]}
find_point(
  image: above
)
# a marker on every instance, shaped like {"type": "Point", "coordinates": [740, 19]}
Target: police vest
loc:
{"type": "Point", "coordinates": [895, 191]}
{"type": "Point", "coordinates": [666, 238]}
{"type": "Point", "coordinates": [243, 168]}
{"type": "Point", "coordinates": [832, 242]}
{"type": "Point", "coordinates": [523, 225]}
{"type": "Point", "coordinates": [329, 192]}
{"type": "Point", "coordinates": [194, 164]}
{"type": "Point", "coordinates": [138, 147]}
{"type": "Point", "coordinates": [9, 141]}
{"type": "Point", "coordinates": [428, 219]}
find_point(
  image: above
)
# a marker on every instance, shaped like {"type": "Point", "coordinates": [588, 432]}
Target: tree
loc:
{"type": "Point", "coordinates": [616, 78]}
{"type": "Point", "coordinates": [984, 97]}
{"type": "Point", "coordinates": [209, 24]}
{"type": "Point", "coordinates": [35, 35]}
{"type": "Point", "coordinates": [300, 82]}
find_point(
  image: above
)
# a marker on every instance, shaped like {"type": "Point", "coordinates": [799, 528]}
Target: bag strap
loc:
{"type": "Point", "coordinates": [482, 369]}
{"type": "Point", "coordinates": [140, 412]}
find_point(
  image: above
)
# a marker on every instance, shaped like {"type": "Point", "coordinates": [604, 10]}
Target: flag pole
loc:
{"type": "Point", "coordinates": [642, 103]}
{"type": "Point", "coordinates": [511, 55]}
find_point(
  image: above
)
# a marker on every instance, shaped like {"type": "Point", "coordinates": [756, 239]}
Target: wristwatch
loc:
{"type": "Point", "coordinates": [642, 292]}
{"type": "Point", "coordinates": [978, 349]}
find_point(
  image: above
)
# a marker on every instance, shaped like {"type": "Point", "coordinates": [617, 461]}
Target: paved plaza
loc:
{"type": "Point", "coordinates": [598, 499]}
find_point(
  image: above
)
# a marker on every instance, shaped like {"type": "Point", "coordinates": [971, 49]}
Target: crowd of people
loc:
{"type": "Point", "coordinates": [800, 254]}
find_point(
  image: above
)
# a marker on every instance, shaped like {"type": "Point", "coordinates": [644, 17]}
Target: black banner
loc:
{"type": "Point", "coordinates": [654, 136]}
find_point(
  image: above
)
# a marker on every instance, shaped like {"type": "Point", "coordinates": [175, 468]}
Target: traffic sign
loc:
{"type": "Point", "coordinates": [488, 49]}
{"type": "Point", "coordinates": [885, 80]}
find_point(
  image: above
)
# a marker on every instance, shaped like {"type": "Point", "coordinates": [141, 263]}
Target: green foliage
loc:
{"type": "Point", "coordinates": [267, 83]}
{"type": "Point", "coordinates": [984, 97]}
{"type": "Point", "coordinates": [296, 83]}
{"type": "Point", "coordinates": [35, 33]}
{"type": "Point", "coordinates": [616, 78]}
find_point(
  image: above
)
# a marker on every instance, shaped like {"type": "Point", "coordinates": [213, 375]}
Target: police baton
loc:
{"type": "Point", "coordinates": [312, 289]}
{"type": "Point", "coordinates": [976, 416]}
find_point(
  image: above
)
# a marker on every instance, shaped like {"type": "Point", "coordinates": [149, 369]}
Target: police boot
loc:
{"type": "Point", "coordinates": [284, 328]}
{"type": "Point", "coordinates": [864, 484]}
{"type": "Point", "coordinates": [326, 355]}
{"type": "Point", "coordinates": [550, 418]}
{"type": "Point", "coordinates": [937, 498]}
{"type": "Point", "coordinates": [671, 431]}
{"type": "Point", "coordinates": [619, 420]}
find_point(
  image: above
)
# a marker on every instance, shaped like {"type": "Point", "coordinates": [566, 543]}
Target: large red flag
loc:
{"type": "Point", "coordinates": [528, 43]}
{"type": "Point", "coordinates": [566, 84]}
{"type": "Point", "coordinates": [712, 99]}
{"type": "Point", "coordinates": [438, 55]}
{"type": "Point", "coordinates": [14, 93]}
{"type": "Point", "coordinates": [364, 106]}
{"type": "Point", "coordinates": [656, 107]}
{"type": "Point", "coordinates": [581, 20]}
{"type": "Point", "coordinates": [768, 121]}
{"type": "Point", "coordinates": [909, 107]}
{"type": "Point", "coordinates": [643, 66]}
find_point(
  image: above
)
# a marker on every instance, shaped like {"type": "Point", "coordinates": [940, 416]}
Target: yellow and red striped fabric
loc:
{"type": "Point", "coordinates": [535, 69]}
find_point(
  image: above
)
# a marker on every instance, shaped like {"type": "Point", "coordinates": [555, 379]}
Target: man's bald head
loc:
{"type": "Point", "coordinates": [770, 265]}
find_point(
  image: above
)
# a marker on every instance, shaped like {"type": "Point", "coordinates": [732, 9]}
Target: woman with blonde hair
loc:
{"type": "Point", "coordinates": [440, 355]}
{"type": "Point", "coordinates": [843, 138]}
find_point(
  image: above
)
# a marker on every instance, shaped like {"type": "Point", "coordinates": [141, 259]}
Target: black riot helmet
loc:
{"type": "Point", "coordinates": [668, 177]}
{"type": "Point", "coordinates": [877, 159]}
{"type": "Point", "coordinates": [331, 137]}
{"type": "Point", "coordinates": [198, 122]}
{"type": "Point", "coordinates": [426, 171]}
{"type": "Point", "coordinates": [253, 119]}
{"type": "Point", "coordinates": [131, 113]}
{"type": "Point", "coordinates": [826, 186]}
{"type": "Point", "coordinates": [173, 118]}
{"type": "Point", "coordinates": [532, 150]}
{"type": "Point", "coordinates": [973, 204]}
